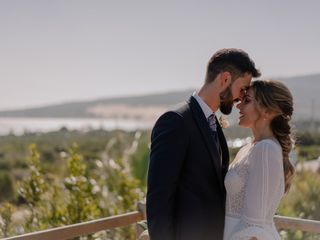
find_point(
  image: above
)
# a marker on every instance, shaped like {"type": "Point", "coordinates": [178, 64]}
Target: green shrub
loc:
{"type": "Point", "coordinates": [6, 186]}
{"type": "Point", "coordinates": [6, 211]}
{"type": "Point", "coordinates": [303, 201]}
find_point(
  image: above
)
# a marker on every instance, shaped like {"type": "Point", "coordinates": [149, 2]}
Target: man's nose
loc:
{"type": "Point", "coordinates": [241, 95]}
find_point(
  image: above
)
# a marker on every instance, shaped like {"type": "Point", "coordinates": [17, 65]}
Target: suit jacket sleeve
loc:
{"type": "Point", "coordinates": [169, 142]}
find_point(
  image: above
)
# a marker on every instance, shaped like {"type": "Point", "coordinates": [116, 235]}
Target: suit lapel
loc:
{"type": "Point", "coordinates": [208, 138]}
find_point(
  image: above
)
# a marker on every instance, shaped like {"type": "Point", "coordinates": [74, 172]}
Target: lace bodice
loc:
{"type": "Point", "coordinates": [255, 186]}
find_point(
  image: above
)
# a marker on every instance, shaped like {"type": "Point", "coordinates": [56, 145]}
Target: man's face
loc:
{"type": "Point", "coordinates": [234, 92]}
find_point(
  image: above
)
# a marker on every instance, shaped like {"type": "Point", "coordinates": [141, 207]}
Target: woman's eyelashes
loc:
{"type": "Point", "coordinates": [246, 100]}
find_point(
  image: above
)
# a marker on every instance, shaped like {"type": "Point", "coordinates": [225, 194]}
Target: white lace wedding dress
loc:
{"type": "Point", "coordinates": [255, 186]}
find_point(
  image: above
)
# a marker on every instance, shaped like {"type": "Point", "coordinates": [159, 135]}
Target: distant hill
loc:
{"type": "Point", "coordinates": [305, 90]}
{"type": "Point", "coordinates": [306, 95]}
{"type": "Point", "coordinates": [135, 106]}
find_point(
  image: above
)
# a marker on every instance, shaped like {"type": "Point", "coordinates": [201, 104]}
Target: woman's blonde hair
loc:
{"type": "Point", "coordinates": [276, 97]}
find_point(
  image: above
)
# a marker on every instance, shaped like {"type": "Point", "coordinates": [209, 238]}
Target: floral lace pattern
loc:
{"type": "Point", "coordinates": [255, 186]}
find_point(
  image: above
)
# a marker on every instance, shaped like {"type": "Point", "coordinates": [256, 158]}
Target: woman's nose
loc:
{"type": "Point", "coordinates": [239, 105]}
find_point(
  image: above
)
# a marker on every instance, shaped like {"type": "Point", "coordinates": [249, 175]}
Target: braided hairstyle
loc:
{"type": "Point", "coordinates": [276, 96]}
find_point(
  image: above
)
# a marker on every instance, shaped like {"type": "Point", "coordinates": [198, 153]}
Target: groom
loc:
{"type": "Point", "coordinates": [189, 155]}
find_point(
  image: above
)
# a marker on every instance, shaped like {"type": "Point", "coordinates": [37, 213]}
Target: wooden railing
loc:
{"type": "Point", "coordinates": [85, 228]}
{"type": "Point", "coordinates": [81, 229]}
{"type": "Point", "coordinates": [289, 223]}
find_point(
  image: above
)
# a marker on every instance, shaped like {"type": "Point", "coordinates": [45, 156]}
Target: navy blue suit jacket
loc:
{"type": "Point", "coordinates": [186, 193]}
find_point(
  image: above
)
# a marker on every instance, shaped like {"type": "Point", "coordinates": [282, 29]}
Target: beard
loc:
{"type": "Point", "coordinates": [226, 101]}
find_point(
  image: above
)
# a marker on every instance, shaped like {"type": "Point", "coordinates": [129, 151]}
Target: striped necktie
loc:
{"type": "Point", "coordinates": [213, 126]}
{"type": "Point", "coordinates": [212, 122]}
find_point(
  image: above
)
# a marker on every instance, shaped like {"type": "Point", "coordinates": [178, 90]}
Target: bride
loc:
{"type": "Point", "coordinates": [261, 172]}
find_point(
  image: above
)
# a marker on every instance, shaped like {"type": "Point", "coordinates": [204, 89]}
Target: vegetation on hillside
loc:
{"type": "Point", "coordinates": [65, 177]}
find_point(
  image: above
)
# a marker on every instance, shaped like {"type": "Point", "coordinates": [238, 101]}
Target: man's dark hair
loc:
{"type": "Point", "coordinates": [235, 61]}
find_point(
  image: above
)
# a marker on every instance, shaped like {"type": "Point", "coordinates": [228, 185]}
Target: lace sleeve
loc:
{"type": "Point", "coordinates": [261, 190]}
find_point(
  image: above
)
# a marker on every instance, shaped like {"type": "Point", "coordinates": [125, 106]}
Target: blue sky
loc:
{"type": "Point", "coordinates": [66, 50]}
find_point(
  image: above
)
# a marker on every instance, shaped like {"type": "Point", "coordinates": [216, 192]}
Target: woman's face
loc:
{"type": "Point", "coordinates": [249, 114]}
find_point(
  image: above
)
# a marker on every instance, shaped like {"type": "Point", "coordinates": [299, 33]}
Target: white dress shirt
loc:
{"type": "Point", "coordinates": [205, 108]}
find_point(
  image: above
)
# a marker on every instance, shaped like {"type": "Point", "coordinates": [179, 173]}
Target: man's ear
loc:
{"type": "Point", "coordinates": [225, 79]}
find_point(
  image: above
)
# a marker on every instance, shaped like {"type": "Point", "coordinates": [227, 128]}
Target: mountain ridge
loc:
{"type": "Point", "coordinates": [305, 91]}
